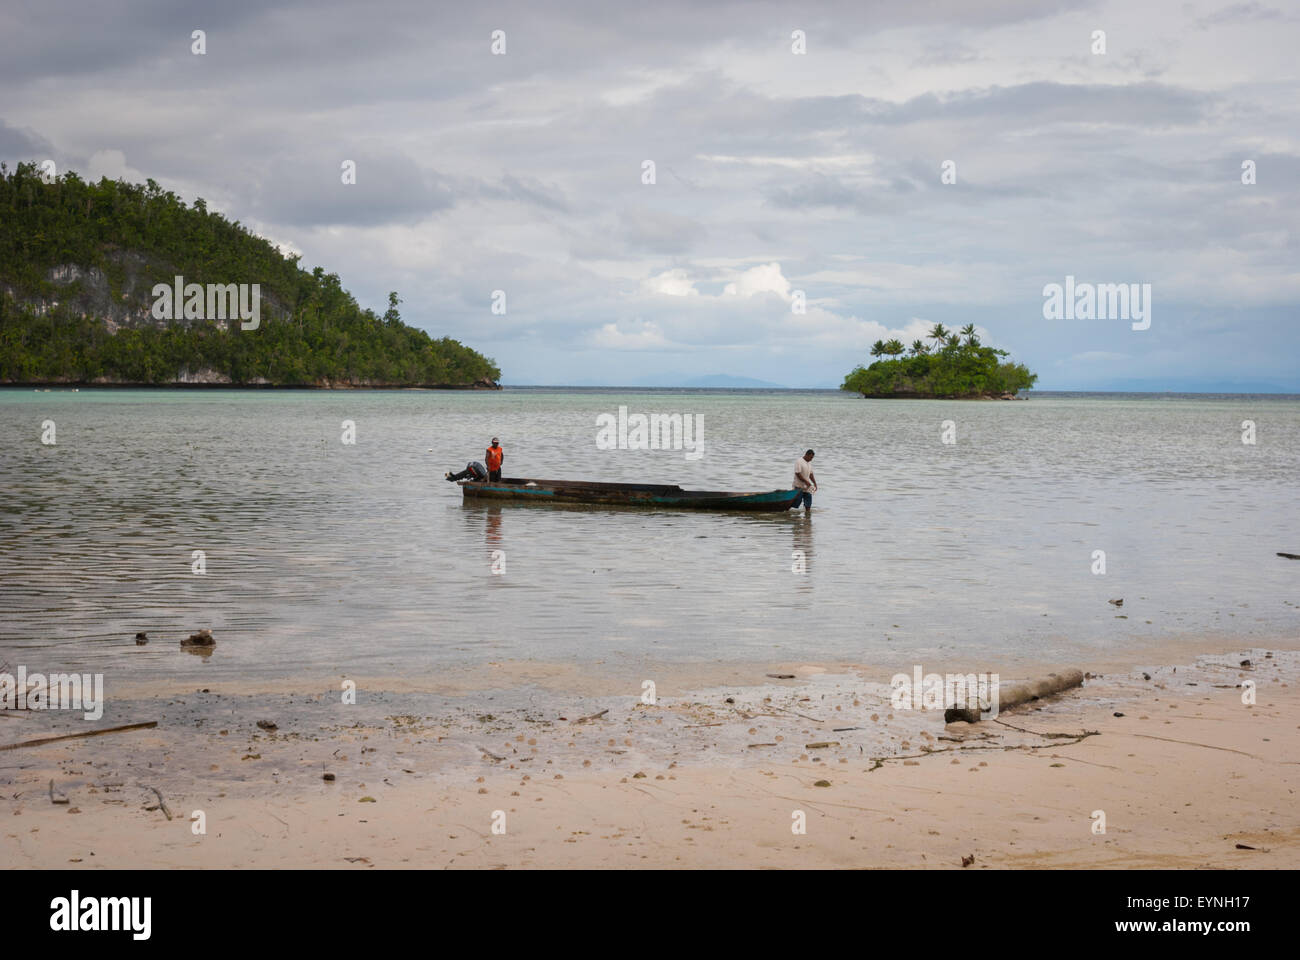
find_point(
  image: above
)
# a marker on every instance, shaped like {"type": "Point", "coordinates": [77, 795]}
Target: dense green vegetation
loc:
{"type": "Point", "coordinates": [312, 331]}
{"type": "Point", "coordinates": [958, 366]}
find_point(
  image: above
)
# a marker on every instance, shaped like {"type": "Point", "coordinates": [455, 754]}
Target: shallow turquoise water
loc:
{"type": "Point", "coordinates": [361, 559]}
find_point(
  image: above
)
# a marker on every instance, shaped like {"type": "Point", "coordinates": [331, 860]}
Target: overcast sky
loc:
{"type": "Point", "coordinates": [775, 172]}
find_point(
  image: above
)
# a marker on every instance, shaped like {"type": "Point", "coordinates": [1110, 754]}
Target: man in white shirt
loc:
{"type": "Point", "coordinates": [805, 481]}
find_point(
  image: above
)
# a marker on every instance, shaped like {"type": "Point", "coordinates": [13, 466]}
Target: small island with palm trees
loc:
{"type": "Point", "coordinates": [958, 366]}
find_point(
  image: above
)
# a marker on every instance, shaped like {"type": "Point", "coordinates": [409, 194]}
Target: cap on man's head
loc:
{"type": "Point", "coordinates": [495, 440]}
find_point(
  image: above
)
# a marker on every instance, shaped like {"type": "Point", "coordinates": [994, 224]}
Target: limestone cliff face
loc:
{"type": "Point", "coordinates": [205, 376]}
{"type": "Point", "coordinates": [124, 300]}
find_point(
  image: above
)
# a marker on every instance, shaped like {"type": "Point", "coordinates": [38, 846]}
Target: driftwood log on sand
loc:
{"type": "Point", "coordinates": [162, 804]}
{"type": "Point", "coordinates": [75, 736]}
{"type": "Point", "coordinates": [1020, 693]}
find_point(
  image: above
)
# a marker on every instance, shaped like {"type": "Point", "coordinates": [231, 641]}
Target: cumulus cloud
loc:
{"type": "Point", "coordinates": [642, 335]}
{"type": "Point", "coordinates": [112, 164]}
{"type": "Point", "coordinates": [765, 278]}
{"type": "Point", "coordinates": [670, 283]}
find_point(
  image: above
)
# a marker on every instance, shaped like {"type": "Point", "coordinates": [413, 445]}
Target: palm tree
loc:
{"type": "Point", "coordinates": [968, 331]}
{"type": "Point", "coordinates": [953, 340]}
{"type": "Point", "coordinates": [894, 347]}
{"type": "Point", "coordinates": [878, 348]}
{"type": "Point", "coordinates": [939, 334]}
{"type": "Point", "coordinates": [919, 349]}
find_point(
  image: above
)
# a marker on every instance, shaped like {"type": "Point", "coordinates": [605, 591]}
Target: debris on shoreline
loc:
{"type": "Point", "coordinates": [201, 639]}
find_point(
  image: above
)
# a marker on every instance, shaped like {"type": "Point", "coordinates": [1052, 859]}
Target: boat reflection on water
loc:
{"type": "Point", "coordinates": [492, 529]}
{"type": "Point", "coordinates": [801, 548]}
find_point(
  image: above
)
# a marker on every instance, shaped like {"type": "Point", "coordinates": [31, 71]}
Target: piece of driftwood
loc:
{"type": "Point", "coordinates": [1073, 737]}
{"type": "Point", "coordinates": [798, 714]}
{"type": "Point", "coordinates": [162, 804]}
{"type": "Point", "coordinates": [1289, 556]}
{"type": "Point", "coordinates": [73, 736]}
{"type": "Point", "coordinates": [594, 716]}
{"type": "Point", "coordinates": [1020, 693]}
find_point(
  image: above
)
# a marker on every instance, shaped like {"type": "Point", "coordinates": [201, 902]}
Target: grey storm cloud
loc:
{"type": "Point", "coordinates": [69, 37]}
{"type": "Point", "coordinates": [21, 146]}
{"type": "Point", "coordinates": [527, 190]}
{"type": "Point", "coordinates": [1038, 103]}
{"type": "Point", "coordinates": [310, 190]}
{"type": "Point", "coordinates": [1240, 13]}
{"type": "Point", "coordinates": [653, 231]}
{"type": "Point", "coordinates": [817, 190]}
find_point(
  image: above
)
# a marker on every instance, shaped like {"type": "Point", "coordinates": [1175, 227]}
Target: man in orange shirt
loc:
{"type": "Point", "coordinates": [495, 457]}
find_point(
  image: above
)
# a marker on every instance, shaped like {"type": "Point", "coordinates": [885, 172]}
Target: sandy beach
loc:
{"type": "Point", "coordinates": [1183, 773]}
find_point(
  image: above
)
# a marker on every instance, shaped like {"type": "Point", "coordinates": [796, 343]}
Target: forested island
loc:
{"type": "Point", "coordinates": [957, 367]}
{"type": "Point", "coordinates": [81, 270]}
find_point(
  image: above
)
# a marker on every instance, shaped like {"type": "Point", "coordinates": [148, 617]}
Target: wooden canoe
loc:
{"type": "Point", "coordinates": [623, 494]}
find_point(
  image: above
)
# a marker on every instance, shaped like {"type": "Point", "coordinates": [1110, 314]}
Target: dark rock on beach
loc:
{"type": "Point", "coordinates": [201, 639]}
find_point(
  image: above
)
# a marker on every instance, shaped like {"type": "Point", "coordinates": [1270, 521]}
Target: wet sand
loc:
{"type": "Point", "coordinates": [711, 777]}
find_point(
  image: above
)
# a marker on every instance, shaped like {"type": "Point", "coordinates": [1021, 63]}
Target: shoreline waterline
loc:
{"type": "Point", "coordinates": [673, 678]}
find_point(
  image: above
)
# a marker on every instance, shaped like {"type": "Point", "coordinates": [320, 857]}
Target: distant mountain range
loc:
{"type": "Point", "coordinates": [1178, 385]}
{"type": "Point", "coordinates": [723, 380]}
